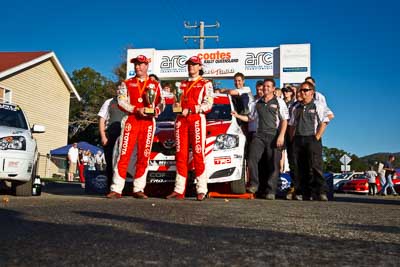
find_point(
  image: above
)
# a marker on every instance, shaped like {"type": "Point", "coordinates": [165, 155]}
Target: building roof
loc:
{"type": "Point", "coordinates": [13, 62]}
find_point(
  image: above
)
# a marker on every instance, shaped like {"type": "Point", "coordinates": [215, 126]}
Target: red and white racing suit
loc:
{"type": "Point", "coordinates": [191, 131]}
{"type": "Point", "coordinates": [136, 130]}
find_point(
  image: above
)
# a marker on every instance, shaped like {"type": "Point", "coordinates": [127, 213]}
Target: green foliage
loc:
{"type": "Point", "coordinates": [94, 89]}
{"type": "Point", "coordinates": [373, 159]}
{"type": "Point", "coordinates": [331, 158]}
{"type": "Point", "coordinates": [120, 71]}
{"type": "Point", "coordinates": [332, 162]}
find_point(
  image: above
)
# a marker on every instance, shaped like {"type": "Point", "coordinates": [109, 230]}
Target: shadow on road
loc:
{"type": "Point", "coordinates": [366, 199]}
{"type": "Point", "coordinates": [372, 228]}
{"type": "Point", "coordinates": [108, 239]}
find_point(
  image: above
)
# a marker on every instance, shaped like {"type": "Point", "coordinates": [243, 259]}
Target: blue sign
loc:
{"type": "Point", "coordinates": [295, 69]}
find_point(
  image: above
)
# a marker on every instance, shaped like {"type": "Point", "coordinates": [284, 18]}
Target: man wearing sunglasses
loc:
{"type": "Point", "coordinates": [307, 125]}
{"type": "Point", "coordinates": [271, 114]}
{"type": "Point", "coordinates": [320, 98]}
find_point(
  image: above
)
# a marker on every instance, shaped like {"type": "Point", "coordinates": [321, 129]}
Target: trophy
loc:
{"type": "Point", "coordinates": [177, 96]}
{"type": "Point", "coordinates": [150, 97]}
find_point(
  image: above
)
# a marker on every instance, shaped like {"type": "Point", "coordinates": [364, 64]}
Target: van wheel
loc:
{"type": "Point", "coordinates": [239, 186]}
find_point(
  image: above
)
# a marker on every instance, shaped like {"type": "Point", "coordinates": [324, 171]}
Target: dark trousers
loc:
{"type": "Point", "coordinates": [263, 146]}
{"type": "Point", "coordinates": [292, 164]}
{"type": "Point", "coordinates": [113, 132]}
{"type": "Point", "coordinates": [308, 155]}
{"type": "Point", "coordinates": [372, 189]}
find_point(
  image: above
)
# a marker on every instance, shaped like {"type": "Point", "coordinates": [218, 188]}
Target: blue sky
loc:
{"type": "Point", "coordinates": [354, 47]}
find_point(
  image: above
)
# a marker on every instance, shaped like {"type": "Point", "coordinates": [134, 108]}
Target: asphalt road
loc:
{"type": "Point", "coordinates": [65, 227]}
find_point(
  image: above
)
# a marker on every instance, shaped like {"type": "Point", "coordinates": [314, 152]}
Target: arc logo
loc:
{"type": "Point", "coordinates": [261, 58]}
{"type": "Point", "coordinates": [177, 61]}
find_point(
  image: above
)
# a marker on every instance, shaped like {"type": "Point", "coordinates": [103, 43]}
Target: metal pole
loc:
{"type": "Point", "coordinates": [201, 43]}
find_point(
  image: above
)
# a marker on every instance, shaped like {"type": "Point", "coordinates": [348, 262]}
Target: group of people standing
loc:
{"type": "Point", "coordinates": [82, 161]}
{"type": "Point", "coordinates": [386, 173]}
{"type": "Point", "coordinates": [274, 125]}
{"type": "Point", "coordinates": [290, 120]}
{"type": "Point", "coordinates": [138, 128]}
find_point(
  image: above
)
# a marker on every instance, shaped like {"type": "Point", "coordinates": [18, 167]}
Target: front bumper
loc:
{"type": "Point", "coordinates": [16, 166]}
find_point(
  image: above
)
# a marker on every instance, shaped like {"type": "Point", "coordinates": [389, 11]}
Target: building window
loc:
{"type": "Point", "coordinates": [5, 95]}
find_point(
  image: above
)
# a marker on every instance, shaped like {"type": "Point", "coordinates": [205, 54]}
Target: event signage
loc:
{"type": "Point", "coordinates": [217, 62]}
{"type": "Point", "coordinates": [289, 63]}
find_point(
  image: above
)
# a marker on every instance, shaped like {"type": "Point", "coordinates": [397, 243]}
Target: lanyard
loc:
{"type": "Point", "coordinates": [190, 88]}
{"type": "Point", "coordinates": [141, 89]}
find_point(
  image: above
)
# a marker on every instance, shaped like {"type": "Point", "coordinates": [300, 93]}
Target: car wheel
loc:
{"type": "Point", "coordinates": [23, 189]}
{"type": "Point", "coordinates": [239, 186]}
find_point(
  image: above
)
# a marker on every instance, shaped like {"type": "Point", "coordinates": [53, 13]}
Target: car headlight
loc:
{"type": "Point", "coordinates": [226, 141]}
{"type": "Point", "coordinates": [13, 143]}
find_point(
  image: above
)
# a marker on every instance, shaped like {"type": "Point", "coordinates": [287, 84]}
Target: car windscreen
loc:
{"type": "Point", "coordinates": [218, 112]}
{"type": "Point", "coordinates": [12, 116]}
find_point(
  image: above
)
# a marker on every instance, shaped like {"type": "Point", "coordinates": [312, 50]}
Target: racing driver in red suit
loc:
{"type": "Point", "coordinates": [137, 128]}
{"type": "Point", "coordinates": [190, 129]}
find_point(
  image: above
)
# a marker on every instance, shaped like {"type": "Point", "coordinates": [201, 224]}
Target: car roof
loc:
{"type": "Point", "coordinates": [218, 99]}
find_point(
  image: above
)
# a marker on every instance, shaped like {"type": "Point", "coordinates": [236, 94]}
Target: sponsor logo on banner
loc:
{"type": "Point", "coordinates": [219, 71]}
{"type": "Point", "coordinates": [175, 63]}
{"type": "Point", "coordinates": [259, 61]}
{"type": "Point", "coordinates": [217, 57]}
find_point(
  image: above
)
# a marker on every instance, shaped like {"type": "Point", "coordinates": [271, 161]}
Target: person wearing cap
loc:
{"type": "Point", "coordinates": [272, 115]}
{"type": "Point", "coordinates": [137, 128]}
{"type": "Point", "coordinates": [307, 125]}
{"type": "Point", "coordinates": [288, 96]}
{"type": "Point", "coordinates": [190, 129]}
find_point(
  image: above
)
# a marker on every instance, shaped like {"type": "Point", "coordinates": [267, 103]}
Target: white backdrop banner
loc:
{"type": "Point", "coordinates": [222, 63]}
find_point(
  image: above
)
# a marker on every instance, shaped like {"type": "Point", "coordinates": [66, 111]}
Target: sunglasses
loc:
{"type": "Point", "coordinates": [305, 90]}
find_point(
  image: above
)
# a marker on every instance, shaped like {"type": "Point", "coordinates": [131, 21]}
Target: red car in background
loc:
{"type": "Point", "coordinates": [360, 185]}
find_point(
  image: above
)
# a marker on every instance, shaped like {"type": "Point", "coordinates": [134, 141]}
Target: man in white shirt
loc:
{"type": "Point", "coordinates": [73, 154]}
{"type": "Point", "coordinates": [243, 93]}
{"type": "Point", "coordinates": [110, 117]}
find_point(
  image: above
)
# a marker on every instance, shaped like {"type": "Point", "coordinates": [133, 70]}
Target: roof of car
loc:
{"type": "Point", "coordinates": [218, 99]}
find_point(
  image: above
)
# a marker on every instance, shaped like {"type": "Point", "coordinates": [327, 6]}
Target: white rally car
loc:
{"type": "Point", "coordinates": [224, 151]}
{"type": "Point", "coordinates": [18, 149]}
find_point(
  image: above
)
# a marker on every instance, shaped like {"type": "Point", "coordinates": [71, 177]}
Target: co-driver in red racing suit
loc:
{"type": "Point", "coordinates": [137, 128]}
{"type": "Point", "coordinates": [190, 129]}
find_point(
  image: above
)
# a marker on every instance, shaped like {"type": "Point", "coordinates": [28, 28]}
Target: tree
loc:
{"type": "Point", "coordinates": [94, 89]}
{"type": "Point", "coordinates": [332, 162]}
{"type": "Point", "coordinates": [331, 158]}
